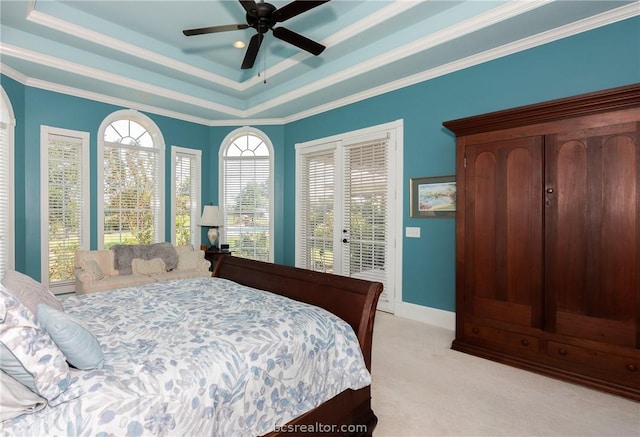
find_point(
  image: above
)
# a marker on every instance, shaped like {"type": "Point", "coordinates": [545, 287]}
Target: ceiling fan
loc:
{"type": "Point", "coordinates": [262, 17]}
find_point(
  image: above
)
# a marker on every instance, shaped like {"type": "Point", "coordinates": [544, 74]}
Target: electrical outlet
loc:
{"type": "Point", "coordinates": [412, 232]}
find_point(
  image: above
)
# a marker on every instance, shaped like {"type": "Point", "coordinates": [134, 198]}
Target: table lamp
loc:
{"type": "Point", "coordinates": [212, 218]}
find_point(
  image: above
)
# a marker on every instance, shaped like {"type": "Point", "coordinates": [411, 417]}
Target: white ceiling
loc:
{"type": "Point", "coordinates": [133, 53]}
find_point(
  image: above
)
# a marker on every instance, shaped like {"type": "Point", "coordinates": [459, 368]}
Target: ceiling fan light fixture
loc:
{"type": "Point", "coordinates": [263, 17]}
{"type": "Point", "coordinates": [239, 44]}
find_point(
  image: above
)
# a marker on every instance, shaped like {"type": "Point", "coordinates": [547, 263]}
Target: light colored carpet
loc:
{"type": "Point", "coordinates": [423, 388]}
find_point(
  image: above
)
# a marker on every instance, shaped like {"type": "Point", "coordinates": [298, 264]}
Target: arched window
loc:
{"type": "Point", "coordinates": [131, 180]}
{"type": "Point", "coordinates": [246, 193]}
{"type": "Point", "coordinates": [7, 244]}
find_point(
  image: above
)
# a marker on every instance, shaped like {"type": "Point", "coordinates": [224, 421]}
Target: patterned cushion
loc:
{"type": "Point", "coordinates": [27, 353]}
{"type": "Point", "coordinates": [29, 291]}
{"type": "Point", "coordinates": [72, 337]}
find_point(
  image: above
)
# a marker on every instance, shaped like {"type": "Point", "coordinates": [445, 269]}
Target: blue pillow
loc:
{"type": "Point", "coordinates": [72, 336]}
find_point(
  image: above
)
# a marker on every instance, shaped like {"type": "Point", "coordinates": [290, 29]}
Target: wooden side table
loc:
{"type": "Point", "coordinates": [213, 255]}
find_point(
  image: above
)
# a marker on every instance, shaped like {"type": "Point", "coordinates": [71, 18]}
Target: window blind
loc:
{"type": "Point", "coordinates": [67, 206]}
{"type": "Point", "coordinates": [316, 209]}
{"type": "Point", "coordinates": [187, 193]}
{"type": "Point", "coordinates": [366, 182]}
{"type": "Point", "coordinates": [6, 193]}
{"type": "Point", "coordinates": [247, 196]}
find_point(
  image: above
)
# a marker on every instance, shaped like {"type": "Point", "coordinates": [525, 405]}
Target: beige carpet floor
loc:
{"type": "Point", "coordinates": [423, 388]}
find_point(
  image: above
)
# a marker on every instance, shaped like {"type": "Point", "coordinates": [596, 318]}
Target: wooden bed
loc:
{"type": "Point", "coordinates": [353, 300]}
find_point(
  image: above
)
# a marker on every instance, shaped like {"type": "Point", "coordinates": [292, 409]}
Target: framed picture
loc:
{"type": "Point", "coordinates": [433, 197]}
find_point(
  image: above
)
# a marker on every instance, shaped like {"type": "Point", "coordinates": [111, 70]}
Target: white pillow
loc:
{"type": "Point", "coordinates": [190, 260]}
{"type": "Point", "coordinates": [17, 399]}
{"type": "Point", "coordinates": [153, 266]}
{"type": "Point", "coordinates": [29, 291]}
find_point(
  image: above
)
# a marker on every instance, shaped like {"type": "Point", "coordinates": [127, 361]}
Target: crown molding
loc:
{"type": "Point", "coordinates": [243, 116]}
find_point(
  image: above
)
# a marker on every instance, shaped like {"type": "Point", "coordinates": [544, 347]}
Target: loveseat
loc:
{"type": "Point", "coordinates": [132, 265]}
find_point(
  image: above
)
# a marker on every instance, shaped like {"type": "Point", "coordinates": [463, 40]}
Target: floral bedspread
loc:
{"type": "Point", "coordinates": [201, 356]}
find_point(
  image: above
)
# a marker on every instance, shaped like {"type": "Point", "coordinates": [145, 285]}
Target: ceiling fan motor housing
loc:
{"type": "Point", "coordinates": [263, 19]}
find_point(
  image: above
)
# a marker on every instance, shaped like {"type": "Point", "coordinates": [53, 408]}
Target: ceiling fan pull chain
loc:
{"type": "Point", "coordinates": [264, 57]}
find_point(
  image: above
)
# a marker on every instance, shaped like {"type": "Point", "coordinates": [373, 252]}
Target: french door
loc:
{"type": "Point", "coordinates": [345, 205]}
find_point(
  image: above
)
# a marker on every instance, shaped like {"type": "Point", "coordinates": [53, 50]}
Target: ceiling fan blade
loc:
{"type": "Point", "coordinates": [252, 51]}
{"type": "Point", "coordinates": [298, 40]}
{"type": "Point", "coordinates": [294, 8]}
{"type": "Point", "coordinates": [214, 29]}
{"type": "Point", "coordinates": [249, 6]}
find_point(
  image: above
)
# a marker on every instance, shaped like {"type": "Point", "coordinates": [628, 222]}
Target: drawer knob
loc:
{"type": "Point", "coordinates": [562, 351]}
{"type": "Point", "coordinates": [632, 367]}
{"type": "Point", "coordinates": [524, 342]}
{"type": "Point", "coordinates": [475, 330]}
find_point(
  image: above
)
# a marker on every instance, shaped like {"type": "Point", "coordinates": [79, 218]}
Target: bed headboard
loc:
{"type": "Point", "coordinates": [353, 300]}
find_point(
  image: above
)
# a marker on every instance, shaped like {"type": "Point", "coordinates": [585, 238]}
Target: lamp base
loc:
{"type": "Point", "coordinates": [213, 236]}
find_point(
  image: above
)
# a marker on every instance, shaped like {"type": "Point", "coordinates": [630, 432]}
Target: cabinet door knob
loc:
{"type": "Point", "coordinates": [632, 367]}
{"type": "Point", "coordinates": [524, 342]}
{"type": "Point", "coordinates": [475, 330]}
{"type": "Point", "coordinates": [562, 351]}
{"type": "Point", "coordinates": [550, 190]}
{"type": "Point", "coordinates": [344, 240]}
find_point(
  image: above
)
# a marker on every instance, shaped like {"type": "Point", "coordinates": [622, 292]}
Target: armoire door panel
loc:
{"type": "Point", "coordinates": [592, 217]}
{"type": "Point", "coordinates": [503, 205]}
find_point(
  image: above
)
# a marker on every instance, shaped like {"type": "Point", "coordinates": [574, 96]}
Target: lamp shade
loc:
{"type": "Point", "coordinates": [211, 216]}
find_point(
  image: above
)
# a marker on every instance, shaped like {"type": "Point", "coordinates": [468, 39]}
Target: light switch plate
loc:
{"type": "Point", "coordinates": [412, 232]}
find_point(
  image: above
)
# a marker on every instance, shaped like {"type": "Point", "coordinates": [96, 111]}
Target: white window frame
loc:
{"type": "Point", "coordinates": [84, 236]}
{"type": "Point", "coordinates": [158, 142]}
{"type": "Point", "coordinates": [7, 188]}
{"type": "Point", "coordinates": [247, 130]}
{"type": "Point", "coordinates": [196, 155]}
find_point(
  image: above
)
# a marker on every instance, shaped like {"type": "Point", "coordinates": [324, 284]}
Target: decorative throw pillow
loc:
{"type": "Point", "coordinates": [17, 399]}
{"type": "Point", "coordinates": [29, 291]}
{"type": "Point", "coordinates": [153, 266]}
{"type": "Point", "coordinates": [92, 268]}
{"type": "Point", "coordinates": [190, 260]}
{"type": "Point", "coordinates": [72, 337]}
{"type": "Point", "coordinates": [183, 248]}
{"type": "Point", "coordinates": [27, 353]}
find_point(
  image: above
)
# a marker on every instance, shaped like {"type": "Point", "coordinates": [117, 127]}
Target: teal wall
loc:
{"type": "Point", "coordinates": [595, 60]}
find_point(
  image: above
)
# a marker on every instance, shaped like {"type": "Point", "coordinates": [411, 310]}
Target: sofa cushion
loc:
{"type": "Point", "coordinates": [92, 268]}
{"type": "Point", "coordinates": [124, 254]}
{"type": "Point", "coordinates": [190, 260]}
{"type": "Point", "coordinates": [103, 257]}
{"type": "Point", "coordinates": [153, 266]}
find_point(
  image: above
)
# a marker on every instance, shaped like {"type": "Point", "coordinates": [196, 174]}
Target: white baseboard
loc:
{"type": "Point", "coordinates": [431, 316]}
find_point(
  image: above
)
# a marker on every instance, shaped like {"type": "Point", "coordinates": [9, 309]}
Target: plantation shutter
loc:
{"type": "Point", "coordinates": [316, 208]}
{"type": "Point", "coordinates": [67, 207]}
{"type": "Point", "coordinates": [6, 234]}
{"type": "Point", "coordinates": [187, 177]}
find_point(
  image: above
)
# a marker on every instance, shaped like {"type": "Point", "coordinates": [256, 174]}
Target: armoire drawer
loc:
{"type": "Point", "coordinates": [501, 339]}
{"type": "Point", "coordinates": [623, 369]}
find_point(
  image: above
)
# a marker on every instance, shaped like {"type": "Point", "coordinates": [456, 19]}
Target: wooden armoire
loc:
{"type": "Point", "coordinates": [548, 238]}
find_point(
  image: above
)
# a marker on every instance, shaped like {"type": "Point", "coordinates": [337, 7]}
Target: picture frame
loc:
{"type": "Point", "coordinates": [433, 196]}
